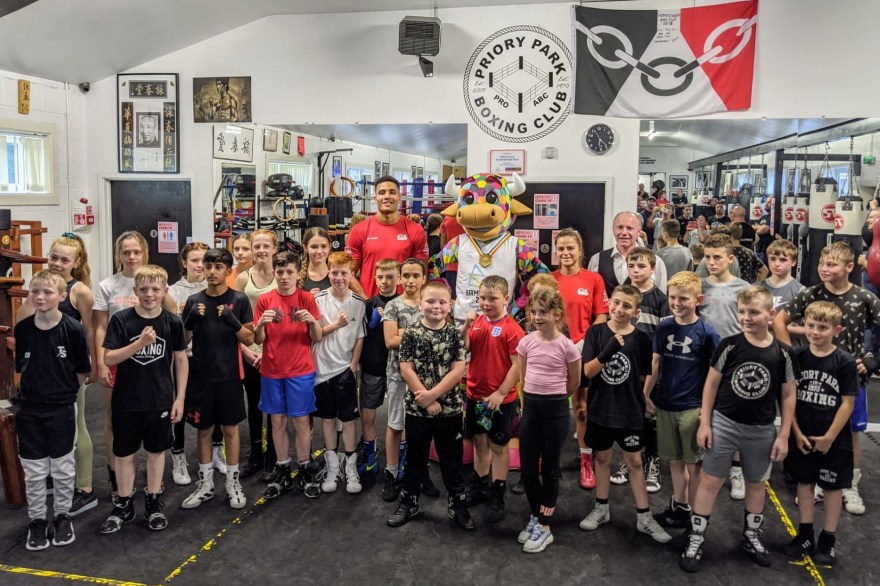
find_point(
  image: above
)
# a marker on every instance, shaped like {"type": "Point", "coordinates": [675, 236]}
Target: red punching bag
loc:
{"type": "Point", "coordinates": [874, 257]}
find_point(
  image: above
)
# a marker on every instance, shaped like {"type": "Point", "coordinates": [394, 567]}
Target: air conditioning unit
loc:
{"type": "Point", "coordinates": [419, 35]}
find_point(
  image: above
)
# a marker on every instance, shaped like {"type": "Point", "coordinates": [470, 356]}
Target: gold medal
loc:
{"type": "Point", "coordinates": [485, 260]}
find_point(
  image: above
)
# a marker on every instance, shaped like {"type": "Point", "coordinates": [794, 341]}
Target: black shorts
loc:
{"type": "Point", "coordinates": [45, 434]}
{"type": "Point", "coordinates": [502, 422]}
{"type": "Point", "coordinates": [601, 438]}
{"type": "Point", "coordinates": [831, 471]}
{"type": "Point", "coordinates": [211, 403]}
{"type": "Point", "coordinates": [372, 390]}
{"type": "Point", "coordinates": [337, 398]}
{"type": "Point", "coordinates": [150, 428]}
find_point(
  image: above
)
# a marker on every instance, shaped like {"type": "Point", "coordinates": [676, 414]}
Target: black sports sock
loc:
{"type": "Point", "coordinates": [805, 530]}
{"type": "Point", "coordinates": [826, 541]}
{"type": "Point", "coordinates": [641, 511]}
{"type": "Point", "coordinates": [736, 463]}
{"type": "Point", "coordinates": [601, 501]}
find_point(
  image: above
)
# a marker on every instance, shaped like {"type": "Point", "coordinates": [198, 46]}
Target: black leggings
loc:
{"type": "Point", "coordinates": [255, 416]}
{"type": "Point", "coordinates": [543, 430]}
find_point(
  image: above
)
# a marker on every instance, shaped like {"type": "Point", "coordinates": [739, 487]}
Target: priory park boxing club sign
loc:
{"type": "Point", "coordinates": [517, 84]}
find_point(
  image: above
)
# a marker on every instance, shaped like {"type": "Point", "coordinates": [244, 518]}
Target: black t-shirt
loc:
{"type": "Point", "coordinates": [821, 384]}
{"type": "Point", "coordinates": [433, 245]}
{"type": "Point", "coordinates": [615, 398]}
{"type": "Point", "coordinates": [215, 345]}
{"type": "Point", "coordinates": [748, 236]}
{"type": "Point", "coordinates": [309, 284]}
{"type": "Point", "coordinates": [715, 221]}
{"type": "Point", "coordinates": [49, 361]}
{"type": "Point", "coordinates": [144, 382]}
{"type": "Point", "coordinates": [679, 201]}
{"type": "Point", "coordinates": [751, 379]}
{"type": "Point", "coordinates": [649, 232]}
{"type": "Point", "coordinates": [374, 356]}
{"type": "Point", "coordinates": [764, 240]}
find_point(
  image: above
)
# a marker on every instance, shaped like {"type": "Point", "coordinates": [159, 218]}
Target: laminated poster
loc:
{"type": "Point", "coordinates": [546, 211]}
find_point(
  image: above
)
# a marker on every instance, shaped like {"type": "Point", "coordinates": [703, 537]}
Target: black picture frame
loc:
{"type": "Point", "coordinates": [148, 123]}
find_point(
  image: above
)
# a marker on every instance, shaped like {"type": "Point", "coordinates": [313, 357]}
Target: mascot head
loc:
{"type": "Point", "coordinates": [485, 206]}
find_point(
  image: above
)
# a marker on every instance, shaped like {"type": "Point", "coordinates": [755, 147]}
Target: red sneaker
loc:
{"type": "Point", "coordinates": [588, 477]}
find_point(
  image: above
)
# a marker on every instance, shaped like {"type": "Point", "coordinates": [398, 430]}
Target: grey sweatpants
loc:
{"type": "Point", "coordinates": [63, 472]}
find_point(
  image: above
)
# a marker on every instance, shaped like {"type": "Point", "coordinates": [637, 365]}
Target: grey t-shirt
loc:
{"type": "Point", "coordinates": [782, 294]}
{"type": "Point", "coordinates": [405, 316]}
{"type": "Point", "coordinates": [719, 306]}
{"type": "Point", "coordinates": [677, 259]}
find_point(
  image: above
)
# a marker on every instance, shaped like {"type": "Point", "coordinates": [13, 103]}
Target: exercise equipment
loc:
{"type": "Point", "coordinates": [849, 216]}
{"type": "Point", "coordinates": [823, 196]}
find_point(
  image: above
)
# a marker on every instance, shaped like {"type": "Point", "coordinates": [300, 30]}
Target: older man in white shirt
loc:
{"type": "Point", "coordinates": [611, 263]}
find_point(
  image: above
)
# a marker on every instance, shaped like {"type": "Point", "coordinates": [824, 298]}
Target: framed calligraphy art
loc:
{"type": "Point", "coordinates": [234, 143]}
{"type": "Point", "coordinates": [149, 131]}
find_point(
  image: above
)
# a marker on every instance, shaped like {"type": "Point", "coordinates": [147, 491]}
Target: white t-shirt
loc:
{"type": "Point", "coordinates": [333, 353]}
{"type": "Point", "coordinates": [114, 294]}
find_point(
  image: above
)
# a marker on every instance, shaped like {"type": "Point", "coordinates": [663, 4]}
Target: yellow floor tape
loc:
{"type": "Point", "coordinates": [66, 576]}
{"type": "Point", "coordinates": [806, 562]}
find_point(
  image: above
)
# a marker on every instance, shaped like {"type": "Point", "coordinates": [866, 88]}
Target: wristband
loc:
{"type": "Point", "coordinates": [229, 317]}
{"type": "Point", "coordinates": [375, 318]}
{"type": "Point", "coordinates": [612, 348]}
{"type": "Point", "coordinates": [192, 318]}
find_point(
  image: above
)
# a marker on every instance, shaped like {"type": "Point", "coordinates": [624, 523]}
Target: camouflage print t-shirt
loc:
{"type": "Point", "coordinates": [432, 353]}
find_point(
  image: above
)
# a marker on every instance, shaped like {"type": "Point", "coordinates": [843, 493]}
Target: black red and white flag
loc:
{"type": "Point", "coordinates": [664, 63]}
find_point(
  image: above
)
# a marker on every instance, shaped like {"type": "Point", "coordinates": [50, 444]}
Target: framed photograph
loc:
{"type": "Point", "coordinates": [677, 182]}
{"type": "Point", "coordinates": [703, 180]}
{"type": "Point", "coordinates": [420, 172]}
{"type": "Point", "coordinates": [234, 143]}
{"type": "Point", "coordinates": [377, 169]}
{"type": "Point", "coordinates": [270, 140]}
{"type": "Point", "coordinates": [337, 166]}
{"type": "Point", "coordinates": [386, 169]}
{"type": "Point", "coordinates": [285, 143]}
{"type": "Point", "coordinates": [506, 162]}
{"type": "Point", "coordinates": [148, 130]}
{"type": "Point", "coordinates": [222, 99]}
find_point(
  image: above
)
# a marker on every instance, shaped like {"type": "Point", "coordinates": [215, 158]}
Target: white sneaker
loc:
{"type": "Point", "coordinates": [600, 515]}
{"type": "Point", "coordinates": [646, 524]}
{"type": "Point", "coordinates": [621, 476]}
{"type": "Point", "coordinates": [737, 484]}
{"type": "Point", "coordinates": [852, 501]}
{"type": "Point", "coordinates": [219, 462]}
{"type": "Point", "coordinates": [818, 495]}
{"type": "Point", "coordinates": [234, 492]}
{"type": "Point", "coordinates": [352, 480]}
{"type": "Point", "coordinates": [527, 532]}
{"type": "Point", "coordinates": [652, 476]}
{"type": "Point", "coordinates": [331, 480]}
{"type": "Point", "coordinates": [179, 472]}
{"type": "Point", "coordinates": [204, 492]}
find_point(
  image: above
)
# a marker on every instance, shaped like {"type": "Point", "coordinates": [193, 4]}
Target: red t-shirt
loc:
{"type": "Point", "coordinates": [492, 345]}
{"type": "Point", "coordinates": [584, 296]}
{"type": "Point", "coordinates": [287, 351]}
{"type": "Point", "coordinates": [451, 228]}
{"type": "Point", "coordinates": [371, 241]}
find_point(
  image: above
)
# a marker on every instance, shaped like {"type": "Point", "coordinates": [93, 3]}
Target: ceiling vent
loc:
{"type": "Point", "coordinates": [419, 35]}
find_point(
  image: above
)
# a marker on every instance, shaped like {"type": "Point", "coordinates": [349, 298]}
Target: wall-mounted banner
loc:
{"type": "Point", "coordinates": [235, 143]}
{"type": "Point", "coordinates": [517, 84]}
{"type": "Point", "coordinates": [664, 63]}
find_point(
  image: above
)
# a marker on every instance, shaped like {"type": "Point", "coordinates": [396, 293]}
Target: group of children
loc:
{"type": "Point", "coordinates": [693, 375]}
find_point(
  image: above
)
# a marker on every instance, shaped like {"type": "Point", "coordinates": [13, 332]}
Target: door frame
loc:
{"type": "Point", "coordinates": [104, 256]}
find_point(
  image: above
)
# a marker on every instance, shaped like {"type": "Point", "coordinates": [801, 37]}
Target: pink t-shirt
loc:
{"type": "Point", "coordinates": [547, 364]}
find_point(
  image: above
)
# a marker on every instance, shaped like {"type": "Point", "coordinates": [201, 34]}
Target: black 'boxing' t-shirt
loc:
{"type": "Point", "coordinates": [821, 384]}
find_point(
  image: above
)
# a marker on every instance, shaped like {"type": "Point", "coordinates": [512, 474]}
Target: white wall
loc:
{"type": "Point", "coordinates": [345, 68]}
{"type": "Point", "coordinates": [669, 160]}
{"type": "Point", "coordinates": [60, 105]}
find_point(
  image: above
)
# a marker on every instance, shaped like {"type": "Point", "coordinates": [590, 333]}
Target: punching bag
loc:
{"type": "Point", "coordinates": [849, 218]}
{"type": "Point", "coordinates": [823, 197]}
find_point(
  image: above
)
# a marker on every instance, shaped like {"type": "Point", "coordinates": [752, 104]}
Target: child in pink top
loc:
{"type": "Point", "coordinates": [551, 365]}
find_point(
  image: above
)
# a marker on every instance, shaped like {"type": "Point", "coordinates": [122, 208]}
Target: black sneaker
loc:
{"type": "Point", "coordinates": [123, 512]}
{"type": "Point", "coordinates": [281, 483]}
{"type": "Point", "coordinates": [751, 544]}
{"type": "Point", "coordinates": [391, 490]}
{"type": "Point", "coordinates": [518, 487]}
{"type": "Point", "coordinates": [692, 554]}
{"type": "Point", "coordinates": [428, 488]}
{"type": "Point", "coordinates": [495, 505]}
{"type": "Point", "coordinates": [64, 534]}
{"type": "Point", "coordinates": [799, 545]}
{"type": "Point", "coordinates": [674, 517]}
{"type": "Point", "coordinates": [82, 501]}
{"type": "Point", "coordinates": [307, 480]}
{"type": "Point", "coordinates": [407, 510]}
{"type": "Point", "coordinates": [824, 558]}
{"type": "Point", "coordinates": [478, 491]}
{"type": "Point", "coordinates": [458, 513]}
{"type": "Point", "coordinates": [153, 514]}
{"type": "Point", "coordinates": [38, 535]}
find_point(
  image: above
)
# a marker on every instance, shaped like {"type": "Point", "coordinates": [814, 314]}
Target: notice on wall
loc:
{"type": "Point", "coordinates": [546, 211]}
{"type": "Point", "coordinates": [530, 237]}
{"type": "Point", "coordinates": [169, 238]}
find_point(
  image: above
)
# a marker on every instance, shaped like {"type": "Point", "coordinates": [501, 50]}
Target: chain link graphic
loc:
{"type": "Point", "coordinates": [650, 73]}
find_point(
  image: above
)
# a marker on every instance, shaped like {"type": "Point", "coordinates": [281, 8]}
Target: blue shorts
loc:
{"type": "Point", "coordinates": [294, 397]}
{"type": "Point", "coordinates": [858, 421]}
